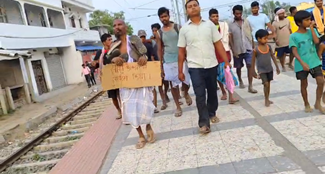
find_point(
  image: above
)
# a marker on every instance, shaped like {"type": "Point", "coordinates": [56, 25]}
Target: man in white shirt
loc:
{"type": "Point", "coordinates": [199, 39]}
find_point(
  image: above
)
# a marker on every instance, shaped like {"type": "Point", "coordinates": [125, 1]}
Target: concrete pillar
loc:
{"type": "Point", "coordinates": [23, 13]}
{"type": "Point", "coordinates": [10, 99]}
{"type": "Point", "coordinates": [3, 102]}
{"type": "Point", "coordinates": [46, 17]}
{"type": "Point", "coordinates": [64, 20]}
{"type": "Point", "coordinates": [27, 94]}
{"type": "Point", "coordinates": [23, 69]}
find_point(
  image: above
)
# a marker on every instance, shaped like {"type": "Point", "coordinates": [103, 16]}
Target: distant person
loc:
{"type": "Point", "coordinates": [262, 55]}
{"type": "Point", "coordinates": [318, 16]}
{"type": "Point", "coordinates": [303, 43]}
{"type": "Point", "coordinates": [259, 21]}
{"type": "Point", "coordinates": [101, 57]}
{"type": "Point", "coordinates": [168, 53]}
{"type": "Point", "coordinates": [294, 28]}
{"type": "Point", "coordinates": [162, 91]}
{"type": "Point", "coordinates": [223, 29]}
{"type": "Point", "coordinates": [202, 62]}
{"type": "Point", "coordinates": [143, 36]}
{"type": "Point", "coordinates": [86, 72]}
{"type": "Point", "coordinates": [92, 71]}
{"type": "Point", "coordinates": [241, 45]}
{"type": "Point", "coordinates": [282, 29]}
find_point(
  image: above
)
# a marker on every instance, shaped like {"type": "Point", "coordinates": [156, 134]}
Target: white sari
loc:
{"type": "Point", "coordinates": [137, 105]}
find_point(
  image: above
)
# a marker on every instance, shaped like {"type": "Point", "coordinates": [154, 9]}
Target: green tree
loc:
{"type": "Point", "coordinates": [104, 17]}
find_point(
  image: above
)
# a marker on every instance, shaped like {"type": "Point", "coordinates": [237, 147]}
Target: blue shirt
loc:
{"type": "Point", "coordinates": [257, 22]}
{"type": "Point", "coordinates": [306, 49]}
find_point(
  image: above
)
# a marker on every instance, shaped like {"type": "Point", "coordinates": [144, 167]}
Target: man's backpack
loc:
{"type": "Point", "coordinates": [176, 28]}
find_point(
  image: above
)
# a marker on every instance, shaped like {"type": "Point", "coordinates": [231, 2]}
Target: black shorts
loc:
{"type": "Point", "coordinates": [113, 93]}
{"type": "Point", "coordinates": [314, 72]}
{"type": "Point", "coordinates": [266, 77]}
{"type": "Point", "coordinates": [282, 51]}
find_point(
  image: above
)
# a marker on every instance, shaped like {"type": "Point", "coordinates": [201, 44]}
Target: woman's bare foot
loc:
{"type": "Point", "coordinates": [223, 97]}
{"type": "Point", "coordinates": [141, 143]}
{"type": "Point", "coordinates": [308, 109]}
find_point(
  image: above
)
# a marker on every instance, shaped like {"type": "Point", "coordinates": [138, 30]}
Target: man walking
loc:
{"type": "Point", "coordinates": [240, 38]}
{"type": "Point", "coordinates": [199, 39]}
{"type": "Point", "coordinates": [168, 53]}
{"type": "Point", "coordinates": [283, 30]}
{"type": "Point", "coordinates": [137, 103]}
{"type": "Point", "coordinates": [101, 57]}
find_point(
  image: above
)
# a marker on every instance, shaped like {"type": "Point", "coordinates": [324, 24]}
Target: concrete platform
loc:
{"type": "Point", "coordinates": [250, 138]}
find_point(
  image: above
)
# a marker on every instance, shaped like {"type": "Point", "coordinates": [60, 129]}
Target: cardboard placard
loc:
{"type": "Point", "coordinates": [131, 75]}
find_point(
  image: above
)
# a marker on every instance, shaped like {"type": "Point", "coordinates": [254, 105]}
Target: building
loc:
{"type": "Point", "coordinates": [55, 33]}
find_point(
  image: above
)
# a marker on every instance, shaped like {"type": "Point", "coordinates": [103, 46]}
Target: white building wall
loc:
{"type": "Point", "coordinates": [49, 3]}
{"type": "Point", "coordinates": [72, 61]}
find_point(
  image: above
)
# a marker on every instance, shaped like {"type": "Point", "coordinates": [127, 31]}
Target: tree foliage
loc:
{"type": "Point", "coordinates": [104, 17]}
{"type": "Point", "coordinates": [268, 8]}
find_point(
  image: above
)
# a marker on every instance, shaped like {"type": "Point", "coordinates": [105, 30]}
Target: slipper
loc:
{"type": "Point", "coordinates": [151, 136]}
{"type": "Point", "coordinates": [224, 97]}
{"type": "Point", "coordinates": [178, 113]}
{"type": "Point", "coordinates": [188, 100]}
{"type": "Point", "coordinates": [163, 107]}
{"type": "Point", "coordinates": [214, 119]}
{"type": "Point", "coordinates": [141, 143]}
{"type": "Point", "coordinates": [156, 111]}
{"type": "Point", "coordinates": [234, 101]}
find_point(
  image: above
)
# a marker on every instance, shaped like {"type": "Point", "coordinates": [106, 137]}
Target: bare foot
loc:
{"type": "Point", "coordinates": [188, 100]}
{"type": "Point", "coordinates": [241, 86]}
{"type": "Point", "coordinates": [271, 102]}
{"type": "Point", "coordinates": [233, 101]}
{"type": "Point", "coordinates": [119, 115]}
{"type": "Point", "coordinates": [267, 103]}
{"type": "Point", "coordinates": [308, 109]}
{"type": "Point", "coordinates": [141, 143]}
{"type": "Point", "coordinates": [320, 108]}
{"type": "Point", "coordinates": [223, 97]}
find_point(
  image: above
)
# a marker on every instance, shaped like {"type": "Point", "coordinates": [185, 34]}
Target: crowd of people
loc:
{"type": "Point", "coordinates": [198, 52]}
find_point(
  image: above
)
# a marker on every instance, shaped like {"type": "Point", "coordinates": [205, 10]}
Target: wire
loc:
{"type": "Point", "coordinates": [122, 7]}
{"type": "Point", "coordinates": [147, 3]}
{"type": "Point", "coordinates": [17, 37]}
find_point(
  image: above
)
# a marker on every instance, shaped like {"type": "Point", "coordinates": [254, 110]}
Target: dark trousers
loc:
{"type": "Point", "coordinates": [205, 80]}
{"type": "Point", "coordinates": [87, 77]}
{"type": "Point", "coordinates": [92, 78]}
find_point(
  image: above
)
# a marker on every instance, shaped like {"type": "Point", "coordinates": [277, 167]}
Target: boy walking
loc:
{"type": "Point", "coordinates": [262, 55]}
{"type": "Point", "coordinates": [303, 44]}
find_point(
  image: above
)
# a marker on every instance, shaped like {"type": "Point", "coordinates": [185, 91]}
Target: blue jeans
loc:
{"type": "Point", "coordinates": [205, 80]}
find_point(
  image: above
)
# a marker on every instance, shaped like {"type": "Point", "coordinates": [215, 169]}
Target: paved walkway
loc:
{"type": "Point", "coordinates": [249, 139]}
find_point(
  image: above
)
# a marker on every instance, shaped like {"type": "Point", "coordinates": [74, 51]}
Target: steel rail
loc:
{"type": "Point", "coordinates": [22, 151]}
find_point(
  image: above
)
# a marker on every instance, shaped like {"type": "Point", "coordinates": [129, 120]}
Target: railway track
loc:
{"type": "Point", "coordinates": [42, 153]}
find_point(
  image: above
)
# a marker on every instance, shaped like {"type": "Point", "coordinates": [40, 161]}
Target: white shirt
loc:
{"type": "Point", "coordinates": [224, 31]}
{"type": "Point", "coordinates": [199, 39]}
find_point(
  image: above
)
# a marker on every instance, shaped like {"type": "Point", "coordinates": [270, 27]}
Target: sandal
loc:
{"type": "Point", "coordinates": [188, 100]}
{"type": "Point", "coordinates": [214, 119]}
{"type": "Point", "coordinates": [151, 136]}
{"type": "Point", "coordinates": [234, 101]}
{"type": "Point", "coordinates": [163, 107]}
{"type": "Point", "coordinates": [178, 113]}
{"type": "Point", "coordinates": [119, 116]}
{"type": "Point", "coordinates": [223, 97]}
{"type": "Point", "coordinates": [156, 111]}
{"type": "Point", "coordinates": [141, 143]}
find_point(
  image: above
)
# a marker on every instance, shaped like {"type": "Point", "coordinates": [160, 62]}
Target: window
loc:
{"type": "Point", "coordinates": [80, 23]}
{"type": "Point", "coordinates": [50, 21]}
{"type": "Point", "coordinates": [42, 19]}
{"type": "Point", "coordinates": [3, 15]}
{"type": "Point", "coordinates": [73, 24]}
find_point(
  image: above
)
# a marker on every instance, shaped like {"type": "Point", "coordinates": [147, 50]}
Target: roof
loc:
{"type": "Point", "coordinates": [88, 48]}
{"type": "Point", "coordinates": [14, 54]}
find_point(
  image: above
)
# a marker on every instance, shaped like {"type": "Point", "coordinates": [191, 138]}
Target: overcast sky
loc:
{"type": "Point", "coordinates": [138, 17]}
